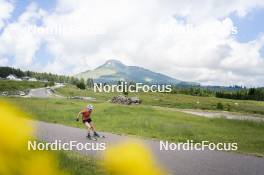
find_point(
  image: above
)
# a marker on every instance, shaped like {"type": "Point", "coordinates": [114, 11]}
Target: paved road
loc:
{"type": "Point", "coordinates": [175, 162]}
{"type": "Point", "coordinates": [44, 92]}
{"type": "Point", "coordinates": [40, 93]}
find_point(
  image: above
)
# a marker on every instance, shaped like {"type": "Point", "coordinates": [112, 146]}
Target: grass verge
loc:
{"type": "Point", "coordinates": [76, 164]}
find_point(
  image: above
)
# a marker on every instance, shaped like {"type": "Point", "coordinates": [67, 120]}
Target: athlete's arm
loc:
{"type": "Point", "coordinates": [77, 118]}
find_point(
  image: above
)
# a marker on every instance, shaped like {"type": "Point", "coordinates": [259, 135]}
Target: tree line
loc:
{"type": "Point", "coordinates": [5, 71]}
{"type": "Point", "coordinates": [243, 94]}
{"type": "Point", "coordinates": [51, 78]}
{"type": "Point", "coordinates": [192, 90]}
{"type": "Point", "coordinates": [232, 92]}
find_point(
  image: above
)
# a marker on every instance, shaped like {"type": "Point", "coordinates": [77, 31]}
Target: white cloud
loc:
{"type": "Point", "coordinates": [6, 9]}
{"type": "Point", "coordinates": [18, 42]}
{"type": "Point", "coordinates": [189, 40]}
{"type": "Point", "coordinates": [3, 61]}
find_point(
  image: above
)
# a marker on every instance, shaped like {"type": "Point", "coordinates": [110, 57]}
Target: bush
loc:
{"type": "Point", "coordinates": [125, 93]}
{"type": "Point", "coordinates": [228, 107]}
{"type": "Point", "coordinates": [220, 106]}
{"type": "Point", "coordinates": [50, 83]}
{"type": "Point", "coordinates": [81, 85]}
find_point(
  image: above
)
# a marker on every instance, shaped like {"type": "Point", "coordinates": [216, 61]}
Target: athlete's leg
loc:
{"type": "Point", "coordinates": [92, 126]}
{"type": "Point", "coordinates": [93, 129]}
{"type": "Point", "coordinates": [89, 128]}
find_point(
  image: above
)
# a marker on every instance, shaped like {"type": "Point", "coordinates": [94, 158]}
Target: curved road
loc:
{"type": "Point", "coordinates": [40, 93]}
{"type": "Point", "coordinates": [175, 162]}
{"type": "Point", "coordinates": [44, 92]}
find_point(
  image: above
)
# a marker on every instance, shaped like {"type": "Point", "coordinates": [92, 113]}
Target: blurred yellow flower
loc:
{"type": "Point", "coordinates": [130, 158]}
{"type": "Point", "coordinates": [15, 159]}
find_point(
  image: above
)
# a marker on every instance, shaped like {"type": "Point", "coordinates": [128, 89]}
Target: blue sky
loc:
{"type": "Point", "coordinates": [21, 5]}
{"type": "Point", "coordinates": [132, 34]}
{"type": "Point", "coordinates": [249, 27]}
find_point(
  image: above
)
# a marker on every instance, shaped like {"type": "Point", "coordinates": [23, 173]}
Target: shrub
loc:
{"type": "Point", "coordinates": [50, 83]}
{"type": "Point", "coordinates": [125, 93]}
{"type": "Point", "coordinates": [81, 85]}
{"type": "Point", "coordinates": [220, 106]}
{"type": "Point", "coordinates": [228, 107]}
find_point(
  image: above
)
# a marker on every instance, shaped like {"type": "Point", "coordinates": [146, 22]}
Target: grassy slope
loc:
{"type": "Point", "coordinates": [176, 100]}
{"type": "Point", "coordinates": [151, 122]}
{"type": "Point", "coordinates": [7, 85]}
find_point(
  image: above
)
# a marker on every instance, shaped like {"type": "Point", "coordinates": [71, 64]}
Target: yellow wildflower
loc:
{"type": "Point", "coordinates": [130, 158]}
{"type": "Point", "coordinates": [15, 159]}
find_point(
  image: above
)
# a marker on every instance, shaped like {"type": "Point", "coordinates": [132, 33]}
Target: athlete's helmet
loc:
{"type": "Point", "coordinates": [90, 107]}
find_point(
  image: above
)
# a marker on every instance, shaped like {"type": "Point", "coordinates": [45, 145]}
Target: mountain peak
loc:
{"type": "Point", "coordinates": [112, 64]}
{"type": "Point", "coordinates": [114, 70]}
{"type": "Point", "coordinates": [113, 61]}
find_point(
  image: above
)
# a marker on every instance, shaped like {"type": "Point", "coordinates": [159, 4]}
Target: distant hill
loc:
{"type": "Point", "coordinates": [5, 71]}
{"type": "Point", "coordinates": [113, 71]}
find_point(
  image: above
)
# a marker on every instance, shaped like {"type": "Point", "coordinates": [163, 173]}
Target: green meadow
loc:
{"type": "Point", "coordinates": [8, 85]}
{"type": "Point", "coordinates": [175, 100]}
{"type": "Point", "coordinates": [149, 122]}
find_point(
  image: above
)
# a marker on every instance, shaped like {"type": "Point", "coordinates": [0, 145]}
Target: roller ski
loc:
{"type": "Point", "coordinates": [89, 137]}
{"type": "Point", "coordinates": [96, 135]}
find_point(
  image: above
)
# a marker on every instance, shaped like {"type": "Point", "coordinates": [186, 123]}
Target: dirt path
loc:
{"type": "Point", "coordinates": [175, 162]}
{"type": "Point", "coordinates": [224, 114]}
{"type": "Point", "coordinates": [217, 114]}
